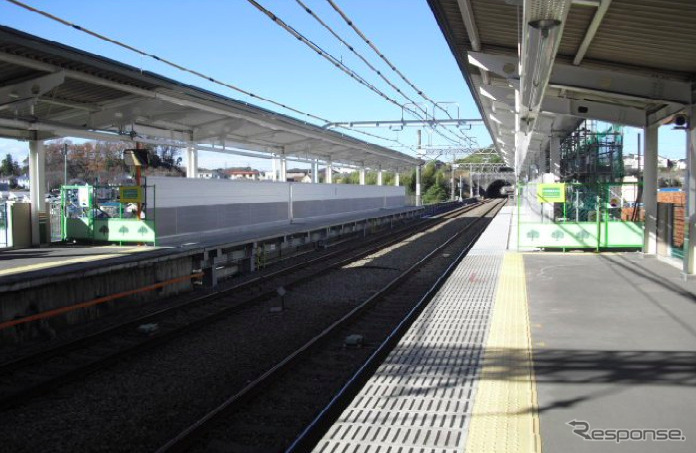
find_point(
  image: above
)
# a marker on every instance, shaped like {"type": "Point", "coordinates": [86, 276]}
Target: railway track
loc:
{"type": "Point", "coordinates": [292, 403]}
{"type": "Point", "coordinates": [30, 376]}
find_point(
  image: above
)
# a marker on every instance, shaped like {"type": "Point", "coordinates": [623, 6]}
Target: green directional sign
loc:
{"type": "Point", "coordinates": [131, 194]}
{"type": "Point", "coordinates": [551, 193]}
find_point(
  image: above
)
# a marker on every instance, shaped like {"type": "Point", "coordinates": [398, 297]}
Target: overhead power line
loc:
{"type": "Point", "coordinates": [183, 68]}
{"type": "Point", "coordinates": [336, 62]}
{"type": "Point", "coordinates": [358, 54]}
{"type": "Point", "coordinates": [384, 57]}
{"type": "Point", "coordinates": [377, 71]}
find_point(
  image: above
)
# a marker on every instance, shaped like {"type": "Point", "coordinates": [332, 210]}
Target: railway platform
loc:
{"type": "Point", "coordinates": [15, 262]}
{"type": "Point", "coordinates": [537, 351]}
{"type": "Point", "coordinates": [62, 279]}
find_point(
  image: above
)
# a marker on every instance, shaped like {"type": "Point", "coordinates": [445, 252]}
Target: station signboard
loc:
{"type": "Point", "coordinates": [130, 194]}
{"type": "Point", "coordinates": [551, 193]}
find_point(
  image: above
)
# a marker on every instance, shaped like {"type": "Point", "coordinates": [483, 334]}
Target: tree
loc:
{"type": "Point", "coordinates": [9, 167]}
{"type": "Point", "coordinates": [435, 194]}
{"type": "Point", "coordinates": [166, 157]}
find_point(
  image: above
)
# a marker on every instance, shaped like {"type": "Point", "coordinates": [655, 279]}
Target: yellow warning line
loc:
{"type": "Point", "coordinates": [81, 259]}
{"type": "Point", "coordinates": [505, 417]}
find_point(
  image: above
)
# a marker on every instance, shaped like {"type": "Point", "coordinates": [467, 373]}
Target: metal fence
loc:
{"type": "Point", "coordinates": [4, 208]}
{"type": "Point", "coordinates": [595, 216]}
{"type": "Point", "coordinates": [56, 221]}
{"type": "Point", "coordinates": [103, 214]}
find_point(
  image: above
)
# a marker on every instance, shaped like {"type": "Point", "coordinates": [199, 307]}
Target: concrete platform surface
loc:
{"type": "Point", "coordinates": [614, 343]}
{"type": "Point", "coordinates": [537, 352]}
{"type": "Point", "coordinates": [27, 263]}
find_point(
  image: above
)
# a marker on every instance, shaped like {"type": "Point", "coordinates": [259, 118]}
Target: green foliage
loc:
{"type": "Point", "coordinates": [9, 167]}
{"type": "Point", "coordinates": [435, 194]}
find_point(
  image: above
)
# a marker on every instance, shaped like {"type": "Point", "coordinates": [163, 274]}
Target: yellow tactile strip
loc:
{"type": "Point", "coordinates": [80, 259]}
{"type": "Point", "coordinates": [505, 415]}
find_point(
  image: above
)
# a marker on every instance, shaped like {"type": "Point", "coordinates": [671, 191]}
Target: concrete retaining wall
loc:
{"type": "Point", "coordinates": [41, 295]}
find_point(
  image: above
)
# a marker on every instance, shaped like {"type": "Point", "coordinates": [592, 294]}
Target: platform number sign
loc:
{"type": "Point", "coordinates": [551, 193]}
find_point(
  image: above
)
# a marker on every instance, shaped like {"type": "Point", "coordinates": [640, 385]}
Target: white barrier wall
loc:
{"type": "Point", "coordinates": [179, 192]}
{"type": "Point", "coordinates": [184, 205]}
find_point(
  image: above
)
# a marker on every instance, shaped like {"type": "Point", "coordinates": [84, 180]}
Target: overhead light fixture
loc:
{"type": "Point", "coordinates": [543, 37]}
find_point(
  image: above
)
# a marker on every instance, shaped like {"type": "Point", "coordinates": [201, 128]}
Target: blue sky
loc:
{"type": "Point", "coordinates": [235, 43]}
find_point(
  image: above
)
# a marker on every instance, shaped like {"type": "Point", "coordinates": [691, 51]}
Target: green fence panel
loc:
{"type": "Point", "coordinates": [124, 230]}
{"type": "Point", "coordinates": [594, 216]}
{"type": "Point", "coordinates": [623, 235]}
{"type": "Point", "coordinates": [560, 235]}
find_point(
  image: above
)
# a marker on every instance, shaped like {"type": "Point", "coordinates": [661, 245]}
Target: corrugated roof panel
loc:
{"type": "Point", "coordinates": [82, 92]}
{"type": "Point", "coordinates": [659, 34]}
{"type": "Point", "coordinates": [497, 23]}
{"type": "Point", "coordinates": [459, 33]}
{"type": "Point", "coordinates": [577, 23]}
{"type": "Point", "coordinates": [65, 60]}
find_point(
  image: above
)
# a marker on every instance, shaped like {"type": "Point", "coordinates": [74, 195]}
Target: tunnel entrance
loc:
{"type": "Point", "coordinates": [496, 189]}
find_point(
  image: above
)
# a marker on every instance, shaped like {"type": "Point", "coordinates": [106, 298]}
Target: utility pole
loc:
{"type": "Point", "coordinates": [452, 181]}
{"type": "Point", "coordinates": [461, 187]}
{"type": "Point", "coordinates": [471, 181]}
{"type": "Point", "coordinates": [418, 174]}
{"type": "Point", "coordinates": [64, 152]}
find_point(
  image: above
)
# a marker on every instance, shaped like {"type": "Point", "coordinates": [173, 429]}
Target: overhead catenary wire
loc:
{"type": "Point", "coordinates": [337, 62]}
{"type": "Point", "coordinates": [372, 67]}
{"type": "Point", "coordinates": [185, 69]}
{"type": "Point", "coordinates": [358, 54]}
{"type": "Point", "coordinates": [382, 56]}
{"type": "Point", "coordinates": [372, 45]}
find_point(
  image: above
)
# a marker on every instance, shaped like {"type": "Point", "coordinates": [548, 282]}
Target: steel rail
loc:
{"type": "Point", "coordinates": [143, 343]}
{"type": "Point", "coordinates": [186, 437]}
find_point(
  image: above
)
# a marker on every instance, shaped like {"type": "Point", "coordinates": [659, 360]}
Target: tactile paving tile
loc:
{"type": "Point", "coordinates": [420, 399]}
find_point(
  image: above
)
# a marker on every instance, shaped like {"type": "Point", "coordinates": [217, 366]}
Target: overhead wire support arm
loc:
{"type": "Point", "coordinates": [393, 67]}
{"type": "Point", "coordinates": [404, 123]}
{"type": "Point", "coordinates": [337, 62]}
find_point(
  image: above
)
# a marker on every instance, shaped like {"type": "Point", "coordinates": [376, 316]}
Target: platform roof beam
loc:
{"type": "Point", "coordinates": [101, 97]}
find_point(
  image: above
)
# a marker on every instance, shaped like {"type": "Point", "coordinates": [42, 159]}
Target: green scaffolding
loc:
{"type": "Point", "coordinates": [592, 156]}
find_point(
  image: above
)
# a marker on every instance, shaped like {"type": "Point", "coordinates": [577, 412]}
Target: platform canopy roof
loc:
{"type": "Point", "coordinates": [537, 68]}
{"type": "Point", "coordinates": [49, 90]}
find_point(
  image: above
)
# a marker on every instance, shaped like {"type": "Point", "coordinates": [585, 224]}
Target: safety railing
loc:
{"type": "Point", "coordinates": [108, 213]}
{"type": "Point", "coordinates": [580, 216]}
{"type": "Point", "coordinates": [4, 225]}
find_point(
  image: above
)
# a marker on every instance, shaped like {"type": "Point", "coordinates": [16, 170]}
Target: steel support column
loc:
{"type": "Point", "coordinates": [690, 240]}
{"type": "Point", "coordinates": [274, 168]}
{"type": "Point", "coordinates": [379, 176]}
{"type": "Point", "coordinates": [315, 171]}
{"type": "Point", "coordinates": [37, 187]}
{"type": "Point", "coordinates": [555, 156]}
{"type": "Point", "coordinates": [471, 182]}
{"type": "Point", "coordinates": [283, 177]}
{"type": "Point", "coordinates": [396, 178]}
{"type": "Point", "coordinates": [362, 176]}
{"type": "Point", "coordinates": [418, 186]}
{"type": "Point", "coordinates": [329, 173]}
{"type": "Point", "coordinates": [650, 189]}
{"type": "Point", "coordinates": [191, 162]}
